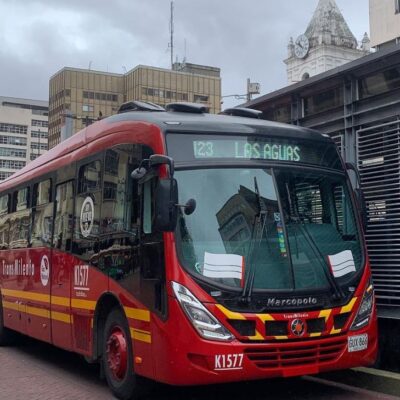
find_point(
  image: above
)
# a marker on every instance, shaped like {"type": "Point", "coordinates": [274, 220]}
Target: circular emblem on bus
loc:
{"type": "Point", "coordinates": [44, 270]}
{"type": "Point", "coordinates": [298, 327]}
{"type": "Point", "coordinates": [87, 214]}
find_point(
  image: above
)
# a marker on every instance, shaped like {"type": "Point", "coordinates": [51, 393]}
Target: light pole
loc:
{"type": "Point", "coordinates": [252, 88]}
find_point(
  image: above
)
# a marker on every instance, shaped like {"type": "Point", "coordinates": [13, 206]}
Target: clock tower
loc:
{"type": "Point", "coordinates": [327, 43]}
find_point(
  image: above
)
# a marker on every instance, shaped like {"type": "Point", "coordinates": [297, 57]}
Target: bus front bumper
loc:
{"type": "Point", "coordinates": [183, 358]}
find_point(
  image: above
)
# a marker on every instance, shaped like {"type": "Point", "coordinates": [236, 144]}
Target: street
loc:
{"type": "Point", "coordinates": [33, 370]}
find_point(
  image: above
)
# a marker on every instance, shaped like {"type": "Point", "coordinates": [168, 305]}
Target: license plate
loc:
{"type": "Point", "coordinates": [357, 343]}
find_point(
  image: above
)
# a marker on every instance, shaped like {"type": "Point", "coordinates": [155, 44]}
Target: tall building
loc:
{"type": "Point", "coordinates": [79, 96]}
{"type": "Point", "coordinates": [23, 133]}
{"type": "Point", "coordinates": [327, 43]}
{"type": "Point", "coordinates": [384, 19]}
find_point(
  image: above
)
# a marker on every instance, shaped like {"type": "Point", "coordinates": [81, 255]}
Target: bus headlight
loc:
{"type": "Point", "coordinates": [365, 310]}
{"type": "Point", "coordinates": [205, 323]}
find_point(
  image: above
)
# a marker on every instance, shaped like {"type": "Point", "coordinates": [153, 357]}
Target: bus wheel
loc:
{"type": "Point", "coordinates": [117, 356]}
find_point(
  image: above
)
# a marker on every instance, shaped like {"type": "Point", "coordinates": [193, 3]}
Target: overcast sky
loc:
{"type": "Point", "coordinates": [245, 38]}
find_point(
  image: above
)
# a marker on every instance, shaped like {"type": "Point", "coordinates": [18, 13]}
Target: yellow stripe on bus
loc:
{"type": "Point", "coordinates": [61, 317]}
{"type": "Point", "coordinates": [11, 306]}
{"type": "Point", "coordinates": [265, 317]}
{"type": "Point", "coordinates": [21, 294]}
{"type": "Point", "coordinates": [349, 306]}
{"type": "Point", "coordinates": [60, 301]}
{"type": "Point", "coordinates": [142, 336]}
{"type": "Point", "coordinates": [83, 304]}
{"type": "Point", "coordinates": [230, 314]}
{"type": "Point", "coordinates": [38, 312]}
{"type": "Point", "coordinates": [45, 298]}
{"type": "Point", "coordinates": [325, 314]}
{"type": "Point", "coordinates": [137, 313]}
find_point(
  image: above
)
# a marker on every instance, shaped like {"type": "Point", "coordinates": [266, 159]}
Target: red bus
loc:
{"type": "Point", "coordinates": [190, 249]}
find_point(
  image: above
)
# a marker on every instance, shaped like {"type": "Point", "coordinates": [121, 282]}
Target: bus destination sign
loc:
{"type": "Point", "coordinates": [210, 148]}
{"type": "Point", "coordinates": [241, 148]}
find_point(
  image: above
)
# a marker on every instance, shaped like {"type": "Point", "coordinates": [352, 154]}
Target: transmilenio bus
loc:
{"type": "Point", "coordinates": [190, 249]}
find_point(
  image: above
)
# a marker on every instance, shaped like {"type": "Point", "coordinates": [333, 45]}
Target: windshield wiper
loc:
{"type": "Point", "coordinates": [256, 238]}
{"type": "Point", "coordinates": [337, 291]}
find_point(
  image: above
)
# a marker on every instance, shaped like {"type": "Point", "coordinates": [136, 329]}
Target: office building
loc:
{"type": "Point", "coordinates": [23, 133]}
{"type": "Point", "coordinates": [78, 96]}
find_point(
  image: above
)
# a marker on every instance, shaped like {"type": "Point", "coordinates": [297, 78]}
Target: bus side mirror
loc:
{"type": "Point", "coordinates": [160, 159]}
{"type": "Point", "coordinates": [166, 199]}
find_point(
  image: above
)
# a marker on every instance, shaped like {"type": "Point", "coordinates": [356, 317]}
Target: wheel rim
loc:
{"type": "Point", "coordinates": [117, 354]}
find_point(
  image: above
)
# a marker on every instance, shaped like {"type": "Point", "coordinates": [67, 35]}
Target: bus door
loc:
{"type": "Point", "coordinates": [62, 263]}
{"type": "Point", "coordinates": [38, 299]}
{"type": "Point", "coordinates": [151, 254]}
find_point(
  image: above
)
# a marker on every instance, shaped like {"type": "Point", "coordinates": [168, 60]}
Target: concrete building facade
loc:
{"type": "Point", "coordinates": [384, 16]}
{"type": "Point", "coordinates": [23, 133]}
{"type": "Point", "coordinates": [78, 97]}
{"type": "Point", "coordinates": [327, 43]}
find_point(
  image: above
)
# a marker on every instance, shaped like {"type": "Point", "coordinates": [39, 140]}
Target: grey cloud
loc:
{"type": "Point", "coordinates": [243, 38]}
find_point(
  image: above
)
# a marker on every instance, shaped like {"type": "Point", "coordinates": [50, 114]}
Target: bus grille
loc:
{"type": "Point", "coordinates": [297, 354]}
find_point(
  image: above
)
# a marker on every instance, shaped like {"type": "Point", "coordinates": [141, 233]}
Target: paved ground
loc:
{"type": "Point", "coordinates": [38, 372]}
{"type": "Point", "coordinates": [35, 371]}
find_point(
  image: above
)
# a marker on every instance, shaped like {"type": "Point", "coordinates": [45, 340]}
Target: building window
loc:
{"type": "Point", "coordinates": [305, 76]}
{"type": "Point", "coordinates": [14, 140]}
{"type": "Point", "coordinates": [41, 146]}
{"type": "Point", "coordinates": [4, 175]}
{"type": "Point", "coordinates": [100, 96]}
{"type": "Point", "coordinates": [379, 83]}
{"type": "Point", "coordinates": [7, 152]}
{"type": "Point", "coordinates": [34, 156]}
{"type": "Point", "coordinates": [11, 164]}
{"type": "Point", "coordinates": [13, 128]}
{"type": "Point", "coordinates": [40, 112]}
{"type": "Point", "coordinates": [38, 122]}
{"type": "Point", "coordinates": [167, 94]}
{"type": "Point", "coordinates": [42, 135]}
{"type": "Point", "coordinates": [200, 99]}
{"type": "Point", "coordinates": [323, 101]}
{"type": "Point", "coordinates": [87, 108]}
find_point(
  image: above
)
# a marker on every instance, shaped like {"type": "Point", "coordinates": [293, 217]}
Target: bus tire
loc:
{"type": "Point", "coordinates": [117, 356]}
{"type": "Point", "coordinates": [6, 335]}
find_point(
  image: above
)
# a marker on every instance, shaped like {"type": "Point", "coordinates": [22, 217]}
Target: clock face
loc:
{"type": "Point", "coordinates": [301, 47]}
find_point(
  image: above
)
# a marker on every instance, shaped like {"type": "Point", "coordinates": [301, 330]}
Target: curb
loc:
{"type": "Point", "coordinates": [377, 380]}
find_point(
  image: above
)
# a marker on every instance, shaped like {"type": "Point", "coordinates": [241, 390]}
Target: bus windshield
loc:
{"type": "Point", "coordinates": [292, 227]}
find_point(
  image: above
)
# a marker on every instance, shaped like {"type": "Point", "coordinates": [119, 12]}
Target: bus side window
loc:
{"type": "Point", "coordinates": [42, 214]}
{"type": "Point", "coordinates": [118, 222]}
{"type": "Point", "coordinates": [64, 216]}
{"type": "Point", "coordinates": [4, 221]}
{"type": "Point", "coordinates": [87, 212]}
{"type": "Point", "coordinates": [20, 219]}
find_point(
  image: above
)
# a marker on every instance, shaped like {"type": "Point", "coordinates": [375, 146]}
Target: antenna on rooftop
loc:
{"type": "Point", "coordinates": [171, 30]}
